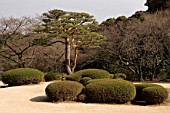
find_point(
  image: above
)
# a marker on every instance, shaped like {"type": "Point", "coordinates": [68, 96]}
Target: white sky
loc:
{"type": "Point", "coordinates": [100, 9]}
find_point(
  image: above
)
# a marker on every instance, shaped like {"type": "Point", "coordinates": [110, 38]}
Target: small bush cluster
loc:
{"type": "Point", "coordinates": [112, 76]}
{"type": "Point", "coordinates": [64, 90]}
{"type": "Point", "coordinates": [92, 73]}
{"type": "Point", "coordinates": [85, 80]}
{"type": "Point", "coordinates": [151, 93]}
{"type": "Point", "coordinates": [53, 75]}
{"type": "Point", "coordinates": [22, 76]}
{"type": "Point", "coordinates": [110, 91]}
{"type": "Point", "coordinates": [120, 75]}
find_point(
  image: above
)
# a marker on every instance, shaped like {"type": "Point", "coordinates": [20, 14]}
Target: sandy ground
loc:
{"type": "Point", "coordinates": [32, 99]}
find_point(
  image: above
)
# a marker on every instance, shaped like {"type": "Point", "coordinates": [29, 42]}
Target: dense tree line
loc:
{"type": "Point", "coordinates": [141, 46]}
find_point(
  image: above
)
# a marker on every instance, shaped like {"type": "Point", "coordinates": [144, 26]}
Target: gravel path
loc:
{"type": "Point", "coordinates": [32, 99]}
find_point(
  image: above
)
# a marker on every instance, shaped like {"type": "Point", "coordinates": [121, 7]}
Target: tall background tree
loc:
{"type": "Point", "coordinates": [14, 33]}
{"type": "Point", "coordinates": [74, 30]}
{"type": "Point", "coordinates": [157, 5]}
{"type": "Point", "coordinates": [141, 45]}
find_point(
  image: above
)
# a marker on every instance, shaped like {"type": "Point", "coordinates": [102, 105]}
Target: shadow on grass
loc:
{"type": "Point", "coordinates": [40, 99]}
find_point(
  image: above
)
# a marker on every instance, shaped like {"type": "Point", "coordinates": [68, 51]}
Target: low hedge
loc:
{"type": "Point", "coordinates": [120, 75]}
{"type": "Point", "coordinates": [151, 93]}
{"type": "Point", "coordinates": [63, 90]}
{"type": "Point", "coordinates": [112, 76]}
{"type": "Point", "coordinates": [155, 95]}
{"type": "Point", "coordinates": [53, 75]}
{"type": "Point", "coordinates": [92, 73]}
{"type": "Point", "coordinates": [21, 76]}
{"type": "Point", "coordinates": [85, 80]}
{"type": "Point", "coordinates": [110, 91]}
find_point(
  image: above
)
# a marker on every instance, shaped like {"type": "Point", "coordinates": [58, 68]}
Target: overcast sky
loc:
{"type": "Point", "coordinates": [100, 9]}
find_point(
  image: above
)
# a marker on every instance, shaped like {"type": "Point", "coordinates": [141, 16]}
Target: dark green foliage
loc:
{"type": "Point", "coordinates": [121, 18]}
{"type": "Point", "coordinates": [53, 75]}
{"type": "Point", "coordinates": [139, 15]}
{"type": "Point", "coordinates": [74, 77]}
{"type": "Point", "coordinates": [155, 95]}
{"type": "Point", "coordinates": [110, 90]}
{"type": "Point", "coordinates": [157, 5]}
{"type": "Point", "coordinates": [140, 95]}
{"type": "Point", "coordinates": [63, 90]}
{"type": "Point", "coordinates": [40, 41]}
{"type": "Point", "coordinates": [82, 97]}
{"type": "Point", "coordinates": [130, 76]}
{"type": "Point", "coordinates": [22, 76]}
{"type": "Point", "coordinates": [92, 73]}
{"type": "Point", "coordinates": [108, 22]}
{"type": "Point", "coordinates": [85, 80]}
{"type": "Point", "coordinates": [164, 74]}
{"type": "Point", "coordinates": [120, 75]}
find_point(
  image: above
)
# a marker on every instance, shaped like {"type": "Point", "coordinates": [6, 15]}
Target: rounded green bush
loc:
{"type": "Point", "coordinates": [82, 97]}
{"type": "Point", "coordinates": [110, 91]}
{"type": "Point", "coordinates": [92, 73]}
{"type": "Point", "coordinates": [22, 76]}
{"type": "Point", "coordinates": [64, 90]}
{"type": "Point", "coordinates": [85, 80]}
{"type": "Point", "coordinates": [112, 76]}
{"type": "Point", "coordinates": [120, 75]}
{"type": "Point", "coordinates": [151, 93]}
{"type": "Point", "coordinates": [53, 75]}
{"type": "Point", "coordinates": [155, 95]}
{"type": "Point", "coordinates": [140, 87]}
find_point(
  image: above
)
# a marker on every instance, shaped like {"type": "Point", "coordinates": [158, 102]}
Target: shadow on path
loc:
{"type": "Point", "coordinates": [40, 99]}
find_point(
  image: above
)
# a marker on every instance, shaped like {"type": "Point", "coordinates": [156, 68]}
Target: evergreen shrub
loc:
{"type": "Point", "coordinates": [140, 87]}
{"type": "Point", "coordinates": [112, 76]}
{"type": "Point", "coordinates": [120, 75]}
{"type": "Point", "coordinates": [53, 75]}
{"type": "Point", "coordinates": [155, 95]}
{"type": "Point", "coordinates": [110, 91]}
{"type": "Point", "coordinates": [21, 76]}
{"type": "Point", "coordinates": [151, 93]}
{"type": "Point", "coordinates": [64, 90]}
{"type": "Point", "coordinates": [85, 80]}
{"type": "Point", "coordinates": [92, 73]}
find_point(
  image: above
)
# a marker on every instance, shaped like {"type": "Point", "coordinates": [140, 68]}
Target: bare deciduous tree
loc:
{"type": "Point", "coordinates": [140, 44]}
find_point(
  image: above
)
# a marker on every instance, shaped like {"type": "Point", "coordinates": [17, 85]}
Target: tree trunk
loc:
{"type": "Point", "coordinates": [67, 56]}
{"type": "Point", "coordinates": [75, 59]}
{"type": "Point", "coordinates": [141, 73]}
{"type": "Point", "coordinates": [21, 63]}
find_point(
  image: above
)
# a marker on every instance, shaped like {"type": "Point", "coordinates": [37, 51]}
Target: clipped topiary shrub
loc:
{"type": "Point", "coordinates": [82, 97]}
{"type": "Point", "coordinates": [75, 76]}
{"type": "Point", "coordinates": [120, 75]}
{"type": "Point", "coordinates": [151, 93]}
{"type": "Point", "coordinates": [22, 76]}
{"type": "Point", "coordinates": [110, 91]}
{"type": "Point", "coordinates": [155, 95]}
{"type": "Point", "coordinates": [140, 87]}
{"type": "Point", "coordinates": [53, 75]}
{"type": "Point", "coordinates": [85, 80]}
{"type": "Point", "coordinates": [112, 76]}
{"type": "Point", "coordinates": [92, 73]}
{"type": "Point", "coordinates": [64, 90]}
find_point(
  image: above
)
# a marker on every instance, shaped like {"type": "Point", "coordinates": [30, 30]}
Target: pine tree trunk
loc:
{"type": "Point", "coordinates": [67, 56]}
{"type": "Point", "coordinates": [75, 59]}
